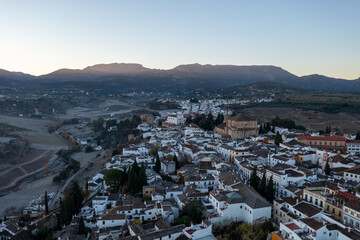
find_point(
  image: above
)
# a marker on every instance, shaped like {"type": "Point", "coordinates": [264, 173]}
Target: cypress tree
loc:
{"type": "Point", "coordinates": [157, 164]}
{"type": "Point", "coordinates": [262, 185]}
{"type": "Point", "coordinates": [176, 162]}
{"type": "Point", "coordinates": [269, 193]}
{"type": "Point", "coordinates": [357, 135]}
{"type": "Point", "coordinates": [46, 203]}
{"type": "Point", "coordinates": [254, 179]}
{"type": "Point", "coordinates": [135, 167]}
{"type": "Point", "coordinates": [278, 138]}
{"type": "Point", "coordinates": [132, 186]}
{"type": "Point", "coordinates": [142, 179]}
{"type": "Point", "coordinates": [261, 131]}
{"type": "Point", "coordinates": [210, 122]}
{"type": "Point", "coordinates": [327, 169]}
{"type": "Point", "coordinates": [77, 196]}
{"type": "Point", "coordinates": [82, 228]}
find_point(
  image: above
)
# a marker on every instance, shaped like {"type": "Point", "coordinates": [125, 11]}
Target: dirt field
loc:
{"type": "Point", "coordinates": [30, 156]}
{"type": "Point", "coordinates": [41, 163]}
{"type": "Point", "coordinates": [10, 176]}
{"type": "Point", "coordinates": [347, 122]}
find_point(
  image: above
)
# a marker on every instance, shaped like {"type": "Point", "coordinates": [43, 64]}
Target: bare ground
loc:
{"type": "Point", "coordinates": [312, 120]}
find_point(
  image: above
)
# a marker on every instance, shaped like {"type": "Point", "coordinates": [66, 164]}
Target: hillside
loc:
{"type": "Point", "coordinates": [192, 76]}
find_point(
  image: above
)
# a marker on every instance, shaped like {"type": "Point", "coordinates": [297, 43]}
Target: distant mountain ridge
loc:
{"type": "Point", "coordinates": [197, 76]}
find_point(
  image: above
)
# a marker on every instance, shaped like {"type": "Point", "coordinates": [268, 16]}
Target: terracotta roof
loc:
{"type": "Point", "coordinates": [292, 226]}
{"type": "Point", "coordinates": [312, 223]}
{"type": "Point", "coordinates": [353, 204]}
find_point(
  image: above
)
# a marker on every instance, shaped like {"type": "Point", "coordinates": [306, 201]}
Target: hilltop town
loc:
{"type": "Point", "coordinates": [199, 172]}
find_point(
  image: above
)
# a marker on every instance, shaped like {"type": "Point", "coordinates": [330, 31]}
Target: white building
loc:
{"type": "Point", "coordinates": [242, 205]}
{"type": "Point", "coordinates": [353, 147]}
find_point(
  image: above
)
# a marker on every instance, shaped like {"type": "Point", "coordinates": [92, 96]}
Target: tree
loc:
{"type": "Point", "coordinates": [77, 194]}
{"type": "Point", "coordinates": [261, 130]}
{"type": "Point", "coordinates": [328, 130]}
{"type": "Point", "coordinates": [157, 164]}
{"type": "Point", "coordinates": [175, 159]}
{"type": "Point", "coordinates": [188, 121]}
{"type": "Point", "coordinates": [154, 150]}
{"type": "Point", "coordinates": [82, 228]}
{"type": "Point", "coordinates": [262, 185]}
{"type": "Point", "coordinates": [132, 181]}
{"type": "Point", "coordinates": [357, 135]}
{"type": "Point", "coordinates": [269, 192]}
{"type": "Point", "coordinates": [219, 119]}
{"type": "Point", "coordinates": [254, 179]}
{"type": "Point", "coordinates": [194, 210]}
{"type": "Point", "coordinates": [113, 178]}
{"type": "Point", "coordinates": [98, 125]}
{"type": "Point", "coordinates": [135, 167]}
{"type": "Point", "coordinates": [327, 169]}
{"type": "Point", "coordinates": [46, 203]}
{"type": "Point", "coordinates": [278, 138]}
{"type": "Point", "coordinates": [142, 179]}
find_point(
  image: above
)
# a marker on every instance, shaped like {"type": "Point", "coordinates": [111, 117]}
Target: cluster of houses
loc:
{"type": "Point", "coordinates": [215, 168]}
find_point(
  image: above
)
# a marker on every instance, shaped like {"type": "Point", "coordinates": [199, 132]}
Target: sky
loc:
{"type": "Point", "coordinates": [302, 36]}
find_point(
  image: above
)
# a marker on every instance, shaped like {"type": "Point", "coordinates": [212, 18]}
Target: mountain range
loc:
{"type": "Point", "coordinates": [191, 76]}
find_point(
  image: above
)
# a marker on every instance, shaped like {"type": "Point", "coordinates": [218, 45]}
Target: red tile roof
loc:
{"type": "Point", "coordinates": [348, 195]}
{"type": "Point", "coordinates": [292, 226]}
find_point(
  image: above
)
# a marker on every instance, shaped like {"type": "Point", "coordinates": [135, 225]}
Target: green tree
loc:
{"type": "Point", "coordinates": [46, 203]}
{"type": "Point", "coordinates": [254, 179]}
{"type": "Point", "coordinates": [154, 150]}
{"type": "Point", "coordinates": [269, 192]}
{"type": "Point", "coordinates": [278, 138]}
{"type": "Point", "coordinates": [175, 159]}
{"type": "Point", "coordinates": [82, 228]}
{"type": "Point", "coordinates": [262, 185]}
{"type": "Point", "coordinates": [327, 169]}
{"type": "Point", "coordinates": [357, 135]}
{"type": "Point", "coordinates": [114, 178]}
{"type": "Point", "coordinates": [188, 121]}
{"type": "Point", "coordinates": [193, 209]}
{"type": "Point", "coordinates": [135, 167]}
{"type": "Point", "coordinates": [261, 130]}
{"type": "Point", "coordinates": [157, 164]}
{"type": "Point", "coordinates": [132, 186]}
{"type": "Point", "coordinates": [142, 179]}
{"type": "Point", "coordinates": [78, 196]}
{"type": "Point", "coordinates": [219, 119]}
{"type": "Point", "coordinates": [98, 125]}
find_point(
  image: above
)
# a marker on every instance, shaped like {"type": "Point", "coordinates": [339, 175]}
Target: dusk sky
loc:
{"type": "Point", "coordinates": [303, 37]}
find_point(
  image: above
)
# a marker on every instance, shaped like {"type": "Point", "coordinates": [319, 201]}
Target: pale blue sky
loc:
{"type": "Point", "coordinates": [301, 36]}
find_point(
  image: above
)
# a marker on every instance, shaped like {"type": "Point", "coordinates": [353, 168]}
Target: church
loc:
{"type": "Point", "coordinates": [237, 127]}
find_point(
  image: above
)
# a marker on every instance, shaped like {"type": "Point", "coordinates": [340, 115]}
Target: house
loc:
{"type": "Point", "coordinates": [168, 167]}
{"type": "Point", "coordinates": [353, 147]}
{"type": "Point", "coordinates": [160, 230]}
{"type": "Point", "coordinates": [244, 204]}
{"type": "Point", "coordinates": [316, 228]}
{"type": "Point", "coordinates": [324, 142]}
{"type": "Point", "coordinates": [10, 230]}
{"type": "Point", "coordinates": [199, 232]}
{"type": "Point", "coordinates": [351, 213]}
{"type": "Point", "coordinates": [99, 203]}
{"type": "Point", "coordinates": [111, 218]}
{"type": "Point", "coordinates": [352, 174]}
